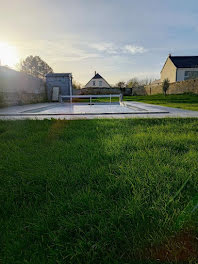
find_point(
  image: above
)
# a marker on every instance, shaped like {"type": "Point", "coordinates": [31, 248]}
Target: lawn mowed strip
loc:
{"type": "Point", "coordinates": [184, 101]}
{"type": "Point", "coordinates": [99, 191]}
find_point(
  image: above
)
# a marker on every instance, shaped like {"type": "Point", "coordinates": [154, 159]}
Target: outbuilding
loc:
{"type": "Point", "coordinates": [58, 84]}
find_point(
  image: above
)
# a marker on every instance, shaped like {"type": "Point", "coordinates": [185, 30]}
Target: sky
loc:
{"type": "Point", "coordinates": [120, 39]}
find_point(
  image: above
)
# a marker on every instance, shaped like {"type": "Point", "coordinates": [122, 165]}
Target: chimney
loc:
{"type": "Point", "coordinates": [169, 55]}
{"type": "Point", "coordinates": [95, 72]}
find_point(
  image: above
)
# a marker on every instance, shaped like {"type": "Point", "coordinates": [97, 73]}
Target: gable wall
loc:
{"type": "Point", "coordinates": [169, 71]}
{"type": "Point", "coordinates": [104, 83]}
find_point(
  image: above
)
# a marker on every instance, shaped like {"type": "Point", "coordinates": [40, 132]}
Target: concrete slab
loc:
{"type": "Point", "coordinates": [85, 111]}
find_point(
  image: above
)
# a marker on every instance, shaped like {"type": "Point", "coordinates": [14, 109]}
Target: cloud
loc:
{"type": "Point", "coordinates": [78, 57]}
{"type": "Point", "coordinates": [105, 47]}
{"type": "Point", "coordinates": [134, 49]}
{"type": "Point", "coordinates": [111, 48]}
{"type": "Point", "coordinates": [146, 74]}
{"type": "Point", "coordinates": [55, 52]}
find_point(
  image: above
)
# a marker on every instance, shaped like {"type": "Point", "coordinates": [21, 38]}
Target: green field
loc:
{"type": "Point", "coordinates": [184, 101]}
{"type": "Point", "coordinates": [99, 191]}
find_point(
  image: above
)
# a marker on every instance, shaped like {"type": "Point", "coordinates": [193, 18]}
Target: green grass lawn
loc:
{"type": "Point", "coordinates": [96, 100]}
{"type": "Point", "coordinates": [184, 101]}
{"type": "Point", "coordinates": [99, 191]}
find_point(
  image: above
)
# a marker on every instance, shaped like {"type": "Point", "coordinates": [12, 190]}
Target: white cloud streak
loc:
{"type": "Point", "coordinates": [134, 49]}
{"type": "Point", "coordinates": [112, 49]}
{"type": "Point", "coordinates": [105, 47]}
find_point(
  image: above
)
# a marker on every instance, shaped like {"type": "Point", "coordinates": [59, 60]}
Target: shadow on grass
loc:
{"type": "Point", "coordinates": [96, 191]}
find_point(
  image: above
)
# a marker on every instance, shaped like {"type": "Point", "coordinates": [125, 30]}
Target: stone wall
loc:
{"type": "Point", "coordinates": [153, 89]}
{"type": "Point", "coordinates": [9, 99]}
{"type": "Point", "coordinates": [125, 91]}
{"type": "Point", "coordinates": [96, 91]}
{"type": "Point", "coordinates": [20, 88]}
{"type": "Point", "coordinates": [139, 91]}
{"type": "Point", "coordinates": [189, 86]}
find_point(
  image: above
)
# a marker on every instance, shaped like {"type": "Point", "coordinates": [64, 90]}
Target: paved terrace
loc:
{"type": "Point", "coordinates": [84, 111]}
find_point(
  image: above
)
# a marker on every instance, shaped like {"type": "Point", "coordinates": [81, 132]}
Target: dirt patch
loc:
{"type": "Point", "coordinates": [56, 129]}
{"type": "Point", "coordinates": [180, 248]}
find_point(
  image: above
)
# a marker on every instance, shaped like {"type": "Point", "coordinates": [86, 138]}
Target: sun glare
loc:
{"type": "Point", "coordinates": [8, 55]}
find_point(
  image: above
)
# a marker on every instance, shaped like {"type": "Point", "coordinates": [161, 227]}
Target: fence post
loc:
{"type": "Point", "coordinates": [120, 98]}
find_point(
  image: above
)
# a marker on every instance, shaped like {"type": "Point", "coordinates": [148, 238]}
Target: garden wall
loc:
{"type": "Point", "coordinates": [20, 88]}
{"type": "Point", "coordinates": [189, 86]}
{"type": "Point", "coordinates": [95, 91]}
{"type": "Point", "coordinates": [125, 91]}
{"type": "Point", "coordinates": [139, 91]}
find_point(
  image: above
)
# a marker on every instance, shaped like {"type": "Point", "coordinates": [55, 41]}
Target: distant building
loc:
{"type": "Point", "coordinates": [180, 68]}
{"type": "Point", "coordinates": [58, 84]}
{"type": "Point", "coordinates": [97, 82]}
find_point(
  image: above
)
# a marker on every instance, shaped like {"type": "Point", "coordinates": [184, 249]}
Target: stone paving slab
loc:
{"type": "Point", "coordinates": [143, 108]}
{"type": "Point", "coordinates": [85, 111]}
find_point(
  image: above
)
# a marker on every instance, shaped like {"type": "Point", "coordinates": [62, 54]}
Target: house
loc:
{"type": "Point", "coordinates": [58, 84]}
{"type": "Point", "coordinates": [180, 68]}
{"type": "Point", "coordinates": [97, 82]}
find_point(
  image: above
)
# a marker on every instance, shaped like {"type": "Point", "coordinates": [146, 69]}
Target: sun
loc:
{"type": "Point", "coordinates": [8, 55]}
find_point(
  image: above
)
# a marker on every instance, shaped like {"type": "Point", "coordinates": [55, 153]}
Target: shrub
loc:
{"type": "Point", "coordinates": [165, 85]}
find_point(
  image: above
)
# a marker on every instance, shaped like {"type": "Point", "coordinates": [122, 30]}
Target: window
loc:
{"type": "Point", "coordinates": [190, 75]}
{"type": "Point", "coordinates": [100, 83]}
{"type": "Point", "coordinates": [94, 83]}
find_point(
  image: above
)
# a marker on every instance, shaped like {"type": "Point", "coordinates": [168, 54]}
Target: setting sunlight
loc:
{"type": "Point", "coordinates": [8, 55]}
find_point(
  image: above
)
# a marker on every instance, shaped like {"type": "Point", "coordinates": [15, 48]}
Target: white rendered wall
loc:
{"type": "Point", "coordinates": [181, 73]}
{"type": "Point", "coordinates": [104, 83]}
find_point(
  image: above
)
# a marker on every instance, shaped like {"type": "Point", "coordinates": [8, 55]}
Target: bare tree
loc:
{"type": "Point", "coordinates": [146, 81]}
{"type": "Point", "coordinates": [139, 82]}
{"type": "Point", "coordinates": [35, 66]}
{"type": "Point", "coordinates": [76, 85]}
{"type": "Point", "coordinates": [121, 84]}
{"type": "Point", "coordinates": [132, 83]}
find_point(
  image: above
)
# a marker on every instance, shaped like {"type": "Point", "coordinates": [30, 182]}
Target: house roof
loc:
{"type": "Point", "coordinates": [185, 61]}
{"type": "Point", "coordinates": [97, 76]}
{"type": "Point", "coordinates": [58, 75]}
